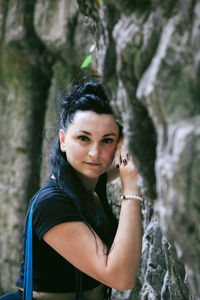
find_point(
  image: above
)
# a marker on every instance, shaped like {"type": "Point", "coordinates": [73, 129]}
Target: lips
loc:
{"type": "Point", "coordinates": [92, 163]}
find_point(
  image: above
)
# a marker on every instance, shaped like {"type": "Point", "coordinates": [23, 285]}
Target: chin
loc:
{"type": "Point", "coordinates": [92, 175]}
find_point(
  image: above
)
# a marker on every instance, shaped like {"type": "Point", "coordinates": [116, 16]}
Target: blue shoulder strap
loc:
{"type": "Point", "coordinates": [28, 266]}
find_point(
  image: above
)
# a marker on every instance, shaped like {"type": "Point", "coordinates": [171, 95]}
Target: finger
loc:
{"type": "Point", "coordinates": [124, 156]}
{"type": "Point", "coordinates": [117, 157]}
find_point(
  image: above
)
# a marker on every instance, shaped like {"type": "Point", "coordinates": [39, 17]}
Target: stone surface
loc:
{"type": "Point", "coordinates": [23, 92]}
{"type": "Point", "coordinates": [149, 61]}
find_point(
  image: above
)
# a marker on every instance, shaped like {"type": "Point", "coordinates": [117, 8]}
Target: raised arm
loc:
{"type": "Point", "coordinates": [76, 243]}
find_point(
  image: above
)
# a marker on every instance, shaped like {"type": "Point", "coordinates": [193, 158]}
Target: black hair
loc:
{"type": "Point", "coordinates": [84, 97]}
{"type": "Point", "coordinates": [89, 96]}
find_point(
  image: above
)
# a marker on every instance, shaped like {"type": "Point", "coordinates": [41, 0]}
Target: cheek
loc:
{"type": "Point", "coordinates": [75, 153]}
{"type": "Point", "coordinates": [109, 153]}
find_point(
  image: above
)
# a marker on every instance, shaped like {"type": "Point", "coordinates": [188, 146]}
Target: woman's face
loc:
{"type": "Point", "coordinates": [90, 142]}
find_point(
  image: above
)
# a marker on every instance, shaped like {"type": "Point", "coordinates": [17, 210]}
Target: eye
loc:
{"type": "Point", "coordinates": [107, 140]}
{"type": "Point", "coordinates": [83, 138]}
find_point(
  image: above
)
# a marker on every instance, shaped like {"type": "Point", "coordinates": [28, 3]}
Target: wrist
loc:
{"type": "Point", "coordinates": [132, 191]}
{"type": "Point", "coordinates": [131, 197]}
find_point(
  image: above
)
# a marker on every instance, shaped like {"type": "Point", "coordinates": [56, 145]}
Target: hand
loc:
{"type": "Point", "coordinates": [127, 169]}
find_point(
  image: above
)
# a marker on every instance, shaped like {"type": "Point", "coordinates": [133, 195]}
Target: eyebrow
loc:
{"type": "Point", "coordinates": [105, 135]}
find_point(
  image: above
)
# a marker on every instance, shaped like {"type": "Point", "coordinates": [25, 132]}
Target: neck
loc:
{"type": "Point", "coordinates": [88, 183]}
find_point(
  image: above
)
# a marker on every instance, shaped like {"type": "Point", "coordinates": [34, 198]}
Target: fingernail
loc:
{"type": "Point", "coordinates": [117, 166]}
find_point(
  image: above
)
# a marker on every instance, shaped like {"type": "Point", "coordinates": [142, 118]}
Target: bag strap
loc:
{"type": "Point", "coordinates": [28, 265]}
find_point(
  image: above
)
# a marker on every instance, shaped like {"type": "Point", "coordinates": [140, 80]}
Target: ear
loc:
{"type": "Point", "coordinates": [62, 140]}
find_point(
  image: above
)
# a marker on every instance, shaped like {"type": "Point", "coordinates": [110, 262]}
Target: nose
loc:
{"type": "Point", "coordinates": [94, 151]}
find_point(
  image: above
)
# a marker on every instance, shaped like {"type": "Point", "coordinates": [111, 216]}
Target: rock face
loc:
{"type": "Point", "coordinates": [23, 93]}
{"type": "Point", "coordinates": [149, 61]}
{"type": "Point", "coordinates": [148, 57]}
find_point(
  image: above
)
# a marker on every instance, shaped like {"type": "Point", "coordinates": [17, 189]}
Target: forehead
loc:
{"type": "Point", "coordinates": [93, 122]}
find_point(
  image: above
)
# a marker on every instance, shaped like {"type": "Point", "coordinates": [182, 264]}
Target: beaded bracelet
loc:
{"type": "Point", "coordinates": [125, 197]}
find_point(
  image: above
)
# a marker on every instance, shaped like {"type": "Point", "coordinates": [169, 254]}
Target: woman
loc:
{"type": "Point", "coordinates": [80, 251]}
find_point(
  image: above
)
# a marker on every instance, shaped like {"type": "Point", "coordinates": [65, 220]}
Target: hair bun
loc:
{"type": "Point", "coordinates": [84, 96]}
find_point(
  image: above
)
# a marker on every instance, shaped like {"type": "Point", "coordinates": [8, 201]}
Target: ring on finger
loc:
{"type": "Point", "coordinates": [128, 155]}
{"type": "Point", "coordinates": [125, 161]}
